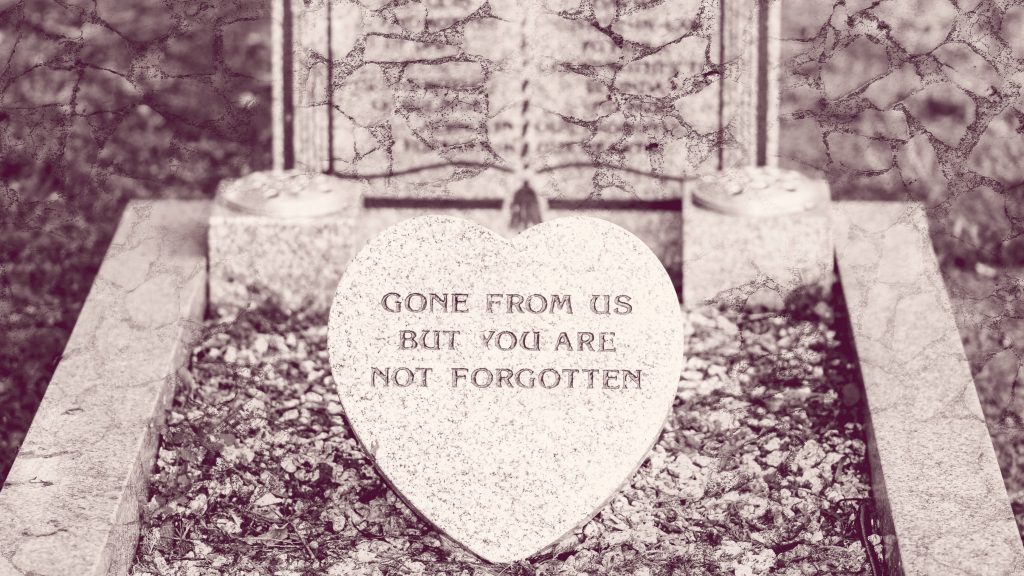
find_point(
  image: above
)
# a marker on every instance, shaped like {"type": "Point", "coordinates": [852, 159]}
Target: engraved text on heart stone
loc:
{"type": "Point", "coordinates": [506, 389]}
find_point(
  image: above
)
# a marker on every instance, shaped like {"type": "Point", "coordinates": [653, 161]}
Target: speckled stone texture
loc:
{"type": "Point", "coordinates": [933, 466]}
{"type": "Point", "coordinates": [297, 260]}
{"type": "Point", "coordinates": [750, 260]}
{"type": "Point", "coordinates": [70, 503]}
{"type": "Point", "coordinates": [505, 461]}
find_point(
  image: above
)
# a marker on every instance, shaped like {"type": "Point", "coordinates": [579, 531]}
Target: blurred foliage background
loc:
{"type": "Point", "coordinates": [101, 102]}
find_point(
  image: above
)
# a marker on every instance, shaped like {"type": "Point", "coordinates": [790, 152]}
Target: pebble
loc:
{"type": "Point", "coordinates": [261, 345]}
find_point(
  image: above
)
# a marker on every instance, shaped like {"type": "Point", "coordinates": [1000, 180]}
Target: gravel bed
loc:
{"type": "Point", "coordinates": [761, 468]}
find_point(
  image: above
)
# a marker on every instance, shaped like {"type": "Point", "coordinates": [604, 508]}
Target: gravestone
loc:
{"type": "Point", "coordinates": [506, 389]}
{"type": "Point", "coordinates": [578, 98]}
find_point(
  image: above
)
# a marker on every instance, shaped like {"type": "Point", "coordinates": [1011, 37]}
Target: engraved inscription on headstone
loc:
{"type": "Point", "coordinates": [506, 389]}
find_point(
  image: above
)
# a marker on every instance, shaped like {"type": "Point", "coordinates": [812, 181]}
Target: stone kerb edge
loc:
{"type": "Point", "coordinates": [71, 502]}
{"type": "Point", "coordinates": [937, 484]}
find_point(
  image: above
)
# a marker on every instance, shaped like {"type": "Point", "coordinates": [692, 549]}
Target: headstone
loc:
{"type": "Point", "coordinates": [506, 389]}
{"type": "Point", "coordinates": [579, 98]}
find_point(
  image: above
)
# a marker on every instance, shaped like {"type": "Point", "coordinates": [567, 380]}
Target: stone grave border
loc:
{"type": "Point", "coordinates": [72, 505]}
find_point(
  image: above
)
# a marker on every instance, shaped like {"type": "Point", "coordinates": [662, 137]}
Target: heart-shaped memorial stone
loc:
{"type": "Point", "coordinates": [506, 389]}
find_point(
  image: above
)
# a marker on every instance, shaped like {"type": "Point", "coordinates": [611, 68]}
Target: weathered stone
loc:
{"type": "Point", "coordinates": [309, 31]}
{"type": "Point", "coordinates": [380, 23]}
{"type": "Point", "coordinates": [918, 26]}
{"type": "Point", "coordinates": [926, 423]}
{"type": "Point", "coordinates": [859, 152]}
{"type": "Point", "coordinates": [71, 501]}
{"type": "Point", "coordinates": [800, 98]}
{"type": "Point", "coordinates": [571, 41]}
{"type": "Point", "coordinates": [412, 16]}
{"type": "Point", "coordinates": [660, 24]}
{"type": "Point", "coordinates": [573, 95]}
{"type": "Point", "coordinates": [681, 157]}
{"type": "Point", "coordinates": [443, 14]}
{"type": "Point", "coordinates": [493, 443]}
{"type": "Point", "coordinates": [854, 66]}
{"type": "Point", "coordinates": [505, 89]}
{"type": "Point", "coordinates": [560, 5]}
{"type": "Point", "coordinates": [483, 89]}
{"type": "Point", "coordinates": [441, 118]}
{"type": "Point", "coordinates": [346, 28]}
{"type": "Point", "coordinates": [760, 192]}
{"type": "Point", "coordinates": [495, 40]}
{"type": "Point", "coordinates": [727, 258]}
{"type": "Point", "coordinates": [365, 96]}
{"type": "Point", "coordinates": [803, 20]}
{"type": "Point", "coordinates": [344, 138]}
{"type": "Point", "coordinates": [291, 250]}
{"type": "Point", "coordinates": [700, 110]}
{"type": "Point", "coordinates": [921, 171]}
{"type": "Point", "coordinates": [605, 11]}
{"type": "Point", "coordinates": [411, 150]}
{"type": "Point", "coordinates": [446, 74]}
{"type": "Point", "coordinates": [560, 140]}
{"type": "Point", "coordinates": [886, 184]}
{"type": "Point", "coordinates": [969, 69]}
{"type": "Point", "coordinates": [804, 142]}
{"type": "Point", "coordinates": [945, 110]}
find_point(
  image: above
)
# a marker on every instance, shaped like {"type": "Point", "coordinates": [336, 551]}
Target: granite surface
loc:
{"type": "Point", "coordinates": [741, 260]}
{"type": "Point", "coordinates": [509, 415]}
{"type": "Point", "coordinates": [298, 259]}
{"type": "Point", "coordinates": [934, 470]}
{"type": "Point", "coordinates": [70, 503]}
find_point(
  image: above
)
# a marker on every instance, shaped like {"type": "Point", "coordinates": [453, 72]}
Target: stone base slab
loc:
{"type": "Point", "coordinates": [754, 261]}
{"type": "Point", "coordinates": [299, 260]}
